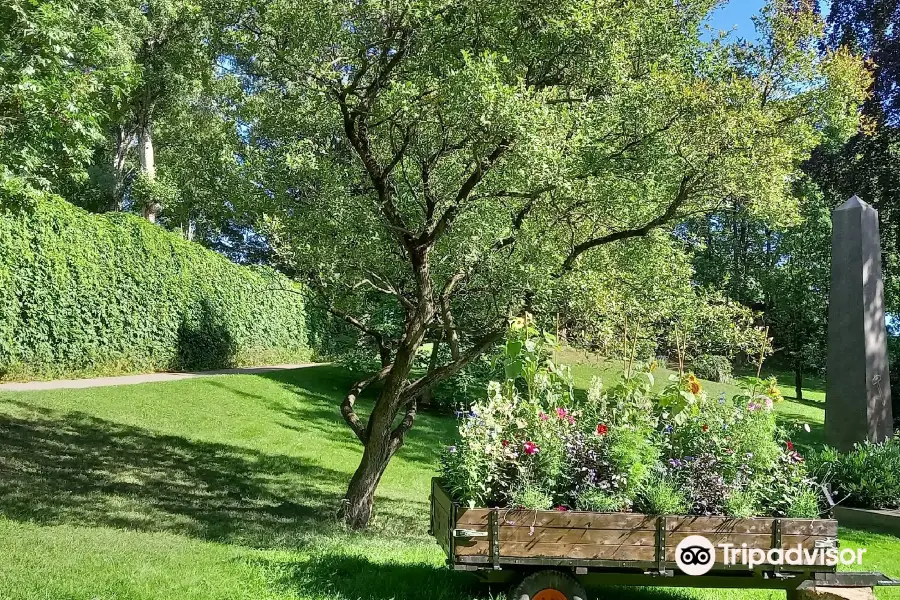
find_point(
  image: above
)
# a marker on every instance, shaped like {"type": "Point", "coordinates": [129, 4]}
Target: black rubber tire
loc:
{"type": "Point", "coordinates": [541, 580]}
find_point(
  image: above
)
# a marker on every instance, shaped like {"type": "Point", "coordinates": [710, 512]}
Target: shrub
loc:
{"type": "Point", "coordinates": [742, 504]}
{"type": "Point", "coordinates": [597, 500]}
{"type": "Point", "coordinates": [804, 506]}
{"type": "Point", "coordinates": [714, 368]}
{"type": "Point", "coordinates": [866, 477]}
{"type": "Point", "coordinates": [660, 496]}
{"type": "Point", "coordinates": [85, 294]}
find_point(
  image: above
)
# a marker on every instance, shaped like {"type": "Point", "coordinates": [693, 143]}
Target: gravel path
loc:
{"type": "Point", "coordinates": [62, 384]}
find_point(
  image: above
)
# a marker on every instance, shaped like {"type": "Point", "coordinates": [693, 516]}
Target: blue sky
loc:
{"type": "Point", "coordinates": [735, 15]}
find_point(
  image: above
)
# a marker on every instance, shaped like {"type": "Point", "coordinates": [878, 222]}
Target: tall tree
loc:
{"type": "Point", "coordinates": [433, 154]}
{"type": "Point", "coordinates": [869, 163]}
{"type": "Point", "coordinates": [62, 65]}
{"type": "Point", "coordinates": [173, 65]}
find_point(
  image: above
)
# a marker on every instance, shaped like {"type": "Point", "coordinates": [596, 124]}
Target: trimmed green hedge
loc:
{"type": "Point", "coordinates": [84, 294]}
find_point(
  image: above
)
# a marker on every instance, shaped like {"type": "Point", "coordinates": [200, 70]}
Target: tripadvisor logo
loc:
{"type": "Point", "coordinates": [696, 555]}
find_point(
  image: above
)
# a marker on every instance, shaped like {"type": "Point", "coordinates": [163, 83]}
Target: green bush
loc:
{"type": "Point", "coordinates": [713, 368]}
{"type": "Point", "coordinates": [659, 496]}
{"type": "Point", "coordinates": [84, 294]}
{"type": "Point", "coordinates": [866, 477]}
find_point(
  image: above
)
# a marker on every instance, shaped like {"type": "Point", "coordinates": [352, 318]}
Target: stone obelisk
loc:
{"type": "Point", "coordinates": [858, 391]}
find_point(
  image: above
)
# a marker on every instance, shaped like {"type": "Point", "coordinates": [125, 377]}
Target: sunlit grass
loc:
{"type": "Point", "coordinates": [226, 488]}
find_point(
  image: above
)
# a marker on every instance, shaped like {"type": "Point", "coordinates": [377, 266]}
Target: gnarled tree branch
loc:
{"type": "Point", "coordinates": [347, 406]}
{"type": "Point", "coordinates": [413, 390]}
{"type": "Point", "coordinates": [668, 215]}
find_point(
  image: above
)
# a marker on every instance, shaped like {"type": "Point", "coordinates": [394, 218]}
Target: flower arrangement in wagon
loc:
{"type": "Point", "coordinates": [534, 443]}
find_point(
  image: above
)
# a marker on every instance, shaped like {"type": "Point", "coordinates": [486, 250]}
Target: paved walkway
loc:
{"type": "Point", "coordinates": [61, 384]}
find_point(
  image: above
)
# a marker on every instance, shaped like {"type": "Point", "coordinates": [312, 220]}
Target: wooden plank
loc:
{"type": "Point", "coordinates": [718, 525]}
{"type": "Point", "coordinates": [442, 528]}
{"type": "Point", "coordinates": [471, 518]}
{"type": "Point", "coordinates": [441, 497]}
{"type": "Point", "coordinates": [670, 556]}
{"type": "Point", "coordinates": [824, 527]}
{"type": "Point", "coordinates": [559, 535]}
{"type": "Point", "coordinates": [563, 519]}
{"type": "Point", "coordinates": [558, 551]}
{"type": "Point", "coordinates": [753, 540]}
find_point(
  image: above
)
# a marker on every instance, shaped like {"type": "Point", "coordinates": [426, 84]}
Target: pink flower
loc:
{"type": "Point", "coordinates": [571, 419]}
{"type": "Point", "coordinates": [543, 416]}
{"type": "Point", "coordinates": [790, 446]}
{"type": "Point", "coordinates": [562, 413]}
{"type": "Point", "coordinates": [530, 447]}
{"type": "Point", "coordinates": [602, 429]}
{"type": "Point", "coordinates": [561, 508]}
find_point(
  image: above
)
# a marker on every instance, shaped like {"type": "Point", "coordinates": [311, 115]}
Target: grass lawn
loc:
{"type": "Point", "coordinates": [226, 488]}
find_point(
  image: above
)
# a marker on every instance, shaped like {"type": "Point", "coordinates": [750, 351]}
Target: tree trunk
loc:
{"type": "Point", "coordinates": [360, 497]}
{"type": "Point", "coordinates": [124, 143]}
{"type": "Point", "coordinates": [381, 438]}
{"type": "Point", "coordinates": [147, 159]}
{"type": "Point", "coordinates": [798, 380]}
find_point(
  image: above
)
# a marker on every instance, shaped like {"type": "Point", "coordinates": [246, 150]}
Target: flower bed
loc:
{"type": "Point", "coordinates": [534, 443]}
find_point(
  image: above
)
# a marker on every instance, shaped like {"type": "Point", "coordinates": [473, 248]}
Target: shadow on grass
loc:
{"type": "Point", "coordinates": [326, 386]}
{"type": "Point", "coordinates": [341, 576]}
{"type": "Point", "coordinates": [76, 469]}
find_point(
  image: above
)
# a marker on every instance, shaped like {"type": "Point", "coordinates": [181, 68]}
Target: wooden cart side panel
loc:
{"type": "Point", "coordinates": [619, 537]}
{"type": "Point", "coordinates": [556, 534]}
{"type": "Point", "coordinates": [556, 550]}
{"type": "Point", "coordinates": [441, 506]}
{"type": "Point", "coordinates": [440, 497]}
{"type": "Point", "coordinates": [604, 537]}
{"type": "Point", "coordinates": [822, 527]}
{"type": "Point", "coordinates": [471, 518]}
{"type": "Point", "coordinates": [442, 531]}
{"type": "Point", "coordinates": [755, 533]}
{"type": "Point", "coordinates": [701, 525]}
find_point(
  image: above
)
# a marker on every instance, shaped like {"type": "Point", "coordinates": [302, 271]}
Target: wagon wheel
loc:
{"type": "Point", "coordinates": [548, 585]}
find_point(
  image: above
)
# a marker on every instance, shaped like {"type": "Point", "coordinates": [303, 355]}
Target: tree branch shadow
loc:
{"type": "Point", "coordinates": [335, 575]}
{"type": "Point", "coordinates": [77, 469]}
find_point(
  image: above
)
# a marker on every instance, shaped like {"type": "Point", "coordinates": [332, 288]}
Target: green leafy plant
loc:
{"type": "Point", "coordinates": [868, 476]}
{"type": "Point", "coordinates": [713, 367]}
{"type": "Point", "coordinates": [661, 496]}
{"type": "Point", "coordinates": [742, 504]}
{"type": "Point", "coordinates": [599, 501]}
{"type": "Point", "coordinates": [533, 442]}
{"type": "Point", "coordinates": [804, 505]}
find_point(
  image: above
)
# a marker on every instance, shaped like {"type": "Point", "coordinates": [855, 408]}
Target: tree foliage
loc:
{"type": "Point", "coordinates": [62, 64]}
{"type": "Point", "coordinates": [432, 168]}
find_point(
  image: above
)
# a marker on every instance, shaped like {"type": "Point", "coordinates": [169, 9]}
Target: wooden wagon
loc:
{"type": "Point", "coordinates": [554, 554]}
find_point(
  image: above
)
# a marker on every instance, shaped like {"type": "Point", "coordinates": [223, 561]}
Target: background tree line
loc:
{"type": "Point", "coordinates": [430, 168]}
